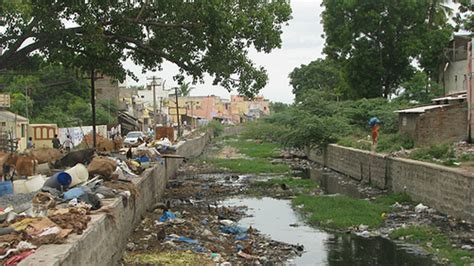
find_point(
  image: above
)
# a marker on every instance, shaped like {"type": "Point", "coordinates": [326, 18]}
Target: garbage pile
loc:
{"type": "Point", "coordinates": [46, 208]}
{"type": "Point", "coordinates": [191, 219]}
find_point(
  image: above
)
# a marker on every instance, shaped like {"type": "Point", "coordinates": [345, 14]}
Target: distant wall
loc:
{"type": "Point", "coordinates": [233, 130]}
{"type": "Point", "coordinates": [449, 190]}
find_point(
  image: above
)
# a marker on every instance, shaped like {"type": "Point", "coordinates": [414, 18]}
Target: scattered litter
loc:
{"type": "Point", "coordinates": [167, 215]}
{"type": "Point", "coordinates": [421, 208]}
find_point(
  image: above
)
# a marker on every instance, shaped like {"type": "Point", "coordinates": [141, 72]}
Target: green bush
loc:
{"type": "Point", "coordinates": [216, 127]}
{"type": "Point", "coordinates": [436, 153]}
{"type": "Point", "coordinates": [394, 142]}
{"type": "Point", "coordinates": [271, 132]}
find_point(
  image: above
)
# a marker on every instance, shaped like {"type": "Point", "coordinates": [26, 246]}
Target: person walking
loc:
{"type": "Point", "coordinates": [67, 144]}
{"type": "Point", "coordinates": [29, 144]}
{"type": "Point", "coordinates": [374, 124]}
{"type": "Point", "coordinates": [56, 142]}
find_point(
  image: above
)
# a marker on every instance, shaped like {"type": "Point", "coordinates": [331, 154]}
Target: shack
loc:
{"type": "Point", "coordinates": [16, 125]}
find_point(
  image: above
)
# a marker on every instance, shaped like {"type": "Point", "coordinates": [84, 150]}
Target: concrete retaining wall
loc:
{"type": "Point", "coordinates": [233, 130]}
{"type": "Point", "coordinates": [447, 189]}
{"type": "Point", "coordinates": [104, 241]}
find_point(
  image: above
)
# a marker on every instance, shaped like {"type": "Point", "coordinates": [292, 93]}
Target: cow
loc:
{"type": "Point", "coordinates": [102, 166]}
{"type": "Point", "coordinates": [45, 155]}
{"type": "Point", "coordinates": [24, 165]}
{"type": "Point", "coordinates": [75, 157]}
{"type": "Point", "coordinates": [107, 145]}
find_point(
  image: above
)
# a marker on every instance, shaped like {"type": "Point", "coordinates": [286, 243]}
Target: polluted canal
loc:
{"type": "Point", "coordinates": [215, 212]}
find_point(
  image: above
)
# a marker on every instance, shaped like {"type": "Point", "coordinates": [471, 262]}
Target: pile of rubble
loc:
{"type": "Point", "coordinates": [46, 208]}
{"type": "Point", "coordinates": [192, 219]}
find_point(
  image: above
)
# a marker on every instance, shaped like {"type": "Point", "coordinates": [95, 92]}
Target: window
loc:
{"type": "Point", "coordinates": [22, 130]}
{"type": "Point", "coordinates": [404, 121]}
{"type": "Point", "coordinates": [44, 133]}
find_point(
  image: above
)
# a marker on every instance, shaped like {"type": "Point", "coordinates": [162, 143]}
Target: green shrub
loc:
{"type": "Point", "coordinates": [270, 132]}
{"type": "Point", "coordinates": [216, 127]}
{"type": "Point", "coordinates": [394, 142]}
{"type": "Point", "coordinates": [440, 151]}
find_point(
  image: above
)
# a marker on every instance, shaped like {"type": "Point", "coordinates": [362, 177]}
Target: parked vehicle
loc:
{"type": "Point", "coordinates": [134, 138]}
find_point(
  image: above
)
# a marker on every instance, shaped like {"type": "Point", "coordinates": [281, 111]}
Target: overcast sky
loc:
{"type": "Point", "coordinates": [302, 43]}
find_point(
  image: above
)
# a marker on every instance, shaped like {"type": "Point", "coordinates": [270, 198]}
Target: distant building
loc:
{"type": "Point", "coordinates": [43, 134]}
{"type": "Point", "coordinates": [448, 118]}
{"type": "Point", "coordinates": [212, 107]}
{"type": "Point", "coordinates": [107, 90]}
{"type": "Point", "coordinates": [454, 71]}
{"type": "Point", "coordinates": [15, 124]}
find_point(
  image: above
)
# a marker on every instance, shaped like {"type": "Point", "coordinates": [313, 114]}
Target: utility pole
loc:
{"type": "Point", "coordinates": [177, 111]}
{"type": "Point", "coordinates": [94, 140]}
{"type": "Point", "coordinates": [153, 85]}
{"type": "Point", "coordinates": [93, 77]}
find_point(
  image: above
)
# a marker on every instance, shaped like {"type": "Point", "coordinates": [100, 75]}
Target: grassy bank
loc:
{"type": "Point", "coordinates": [259, 153]}
{"type": "Point", "coordinates": [433, 241]}
{"type": "Point", "coordinates": [341, 212]}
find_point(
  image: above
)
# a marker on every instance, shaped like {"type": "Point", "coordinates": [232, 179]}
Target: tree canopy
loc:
{"type": "Point", "coordinates": [54, 95]}
{"type": "Point", "coordinates": [185, 89]}
{"type": "Point", "coordinates": [201, 36]}
{"type": "Point", "coordinates": [323, 75]}
{"type": "Point", "coordinates": [375, 42]}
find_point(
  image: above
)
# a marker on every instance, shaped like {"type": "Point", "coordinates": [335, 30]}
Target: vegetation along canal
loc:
{"type": "Point", "coordinates": [241, 202]}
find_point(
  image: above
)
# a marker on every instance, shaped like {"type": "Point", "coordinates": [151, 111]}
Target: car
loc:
{"type": "Point", "coordinates": [134, 138]}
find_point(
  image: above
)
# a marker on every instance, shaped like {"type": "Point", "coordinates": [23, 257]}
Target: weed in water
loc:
{"type": "Point", "coordinates": [256, 150]}
{"type": "Point", "coordinates": [431, 239]}
{"type": "Point", "coordinates": [254, 166]}
{"type": "Point", "coordinates": [340, 212]}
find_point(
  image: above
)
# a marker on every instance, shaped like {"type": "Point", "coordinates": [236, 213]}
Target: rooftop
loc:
{"type": "Point", "coordinates": [422, 109]}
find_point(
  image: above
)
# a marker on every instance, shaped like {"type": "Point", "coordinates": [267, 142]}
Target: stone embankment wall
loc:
{"type": "Point", "coordinates": [104, 241]}
{"type": "Point", "coordinates": [448, 190]}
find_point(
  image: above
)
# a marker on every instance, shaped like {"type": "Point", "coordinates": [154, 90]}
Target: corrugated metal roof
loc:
{"type": "Point", "coordinates": [451, 97]}
{"type": "Point", "coordinates": [422, 109]}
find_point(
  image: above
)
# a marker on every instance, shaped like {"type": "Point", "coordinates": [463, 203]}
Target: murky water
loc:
{"type": "Point", "coordinates": [273, 217]}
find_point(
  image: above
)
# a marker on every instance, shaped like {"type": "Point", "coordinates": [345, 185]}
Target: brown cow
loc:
{"type": "Point", "coordinates": [45, 155]}
{"type": "Point", "coordinates": [24, 165]}
{"type": "Point", "coordinates": [3, 159]}
{"type": "Point", "coordinates": [108, 145]}
{"type": "Point", "coordinates": [102, 166]}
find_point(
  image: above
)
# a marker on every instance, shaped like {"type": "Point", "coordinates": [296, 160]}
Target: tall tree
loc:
{"type": "Point", "coordinates": [465, 15]}
{"type": "Point", "coordinates": [185, 89]}
{"type": "Point", "coordinates": [376, 41]}
{"type": "Point", "coordinates": [323, 75]}
{"type": "Point", "coordinates": [201, 36]}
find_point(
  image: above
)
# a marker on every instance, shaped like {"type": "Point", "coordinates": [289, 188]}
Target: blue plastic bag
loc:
{"type": "Point", "coordinates": [235, 230]}
{"type": "Point", "coordinates": [167, 216]}
{"type": "Point", "coordinates": [373, 121]}
{"type": "Point", "coordinates": [73, 193]}
{"type": "Point", "coordinates": [187, 240]}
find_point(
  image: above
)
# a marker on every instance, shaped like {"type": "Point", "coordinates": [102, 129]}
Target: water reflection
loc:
{"type": "Point", "coordinates": [273, 218]}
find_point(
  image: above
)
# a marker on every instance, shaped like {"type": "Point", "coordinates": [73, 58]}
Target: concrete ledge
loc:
{"type": "Point", "coordinates": [104, 241]}
{"type": "Point", "coordinates": [446, 189]}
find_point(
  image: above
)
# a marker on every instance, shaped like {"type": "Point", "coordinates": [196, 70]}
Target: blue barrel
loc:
{"type": "Point", "coordinates": [6, 188]}
{"type": "Point", "coordinates": [59, 181]}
